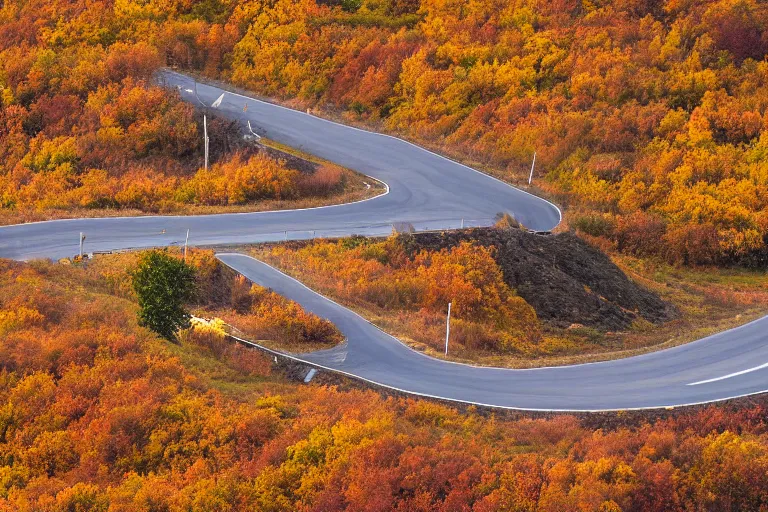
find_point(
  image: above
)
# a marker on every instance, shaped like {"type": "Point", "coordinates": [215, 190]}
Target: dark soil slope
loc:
{"type": "Point", "coordinates": [565, 279]}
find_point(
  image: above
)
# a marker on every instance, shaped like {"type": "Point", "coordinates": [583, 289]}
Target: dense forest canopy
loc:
{"type": "Point", "coordinates": [99, 414]}
{"type": "Point", "coordinates": [648, 117]}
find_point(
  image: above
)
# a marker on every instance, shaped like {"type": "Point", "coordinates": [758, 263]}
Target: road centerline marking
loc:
{"type": "Point", "coordinates": [734, 374]}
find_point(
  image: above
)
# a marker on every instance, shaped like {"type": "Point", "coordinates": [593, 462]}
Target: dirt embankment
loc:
{"type": "Point", "coordinates": [565, 279]}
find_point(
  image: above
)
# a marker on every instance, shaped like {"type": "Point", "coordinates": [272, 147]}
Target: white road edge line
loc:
{"type": "Point", "coordinates": [171, 217]}
{"type": "Point", "coordinates": [482, 404]}
{"type": "Point", "coordinates": [734, 374]}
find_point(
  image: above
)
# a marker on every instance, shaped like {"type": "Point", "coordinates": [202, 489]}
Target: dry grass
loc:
{"type": "Point", "coordinates": [248, 329]}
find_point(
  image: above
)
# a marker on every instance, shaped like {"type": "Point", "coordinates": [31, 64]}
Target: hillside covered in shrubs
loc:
{"type": "Point", "coordinates": [100, 414]}
{"type": "Point", "coordinates": [84, 129]}
{"type": "Point", "coordinates": [520, 299]}
{"type": "Point", "coordinates": [648, 118]}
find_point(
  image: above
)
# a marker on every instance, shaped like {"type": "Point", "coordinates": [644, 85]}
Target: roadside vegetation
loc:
{"type": "Point", "coordinates": [414, 291]}
{"type": "Point", "coordinates": [404, 283]}
{"type": "Point", "coordinates": [648, 118]}
{"type": "Point", "coordinates": [104, 140]}
{"type": "Point", "coordinates": [101, 414]}
{"type": "Point", "coordinates": [201, 300]}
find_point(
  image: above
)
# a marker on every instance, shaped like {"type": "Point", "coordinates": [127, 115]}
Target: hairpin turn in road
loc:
{"type": "Point", "coordinates": [429, 192]}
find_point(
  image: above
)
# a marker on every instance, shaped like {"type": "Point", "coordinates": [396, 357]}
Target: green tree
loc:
{"type": "Point", "coordinates": [163, 285]}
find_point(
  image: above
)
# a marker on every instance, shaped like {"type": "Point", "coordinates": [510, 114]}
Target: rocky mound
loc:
{"type": "Point", "coordinates": [565, 279]}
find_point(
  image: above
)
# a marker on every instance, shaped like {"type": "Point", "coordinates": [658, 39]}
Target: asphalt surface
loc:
{"type": "Point", "coordinates": [430, 192]}
{"type": "Point", "coordinates": [726, 365]}
{"type": "Point", "coordinates": [425, 190]}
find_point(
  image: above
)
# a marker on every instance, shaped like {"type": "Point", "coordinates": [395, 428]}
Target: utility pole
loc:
{"type": "Point", "coordinates": [186, 241]}
{"type": "Point", "coordinates": [447, 328]}
{"type": "Point", "coordinates": [530, 178]}
{"type": "Point", "coordinates": [205, 140]}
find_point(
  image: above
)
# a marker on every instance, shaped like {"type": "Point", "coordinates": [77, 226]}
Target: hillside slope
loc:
{"type": "Point", "coordinates": [101, 415]}
{"type": "Point", "coordinates": [566, 280]}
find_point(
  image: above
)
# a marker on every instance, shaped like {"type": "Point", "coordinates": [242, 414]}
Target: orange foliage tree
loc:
{"type": "Point", "coordinates": [488, 315]}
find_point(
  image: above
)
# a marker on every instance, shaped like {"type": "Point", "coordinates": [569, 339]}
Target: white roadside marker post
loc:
{"type": "Point", "coordinates": [82, 239]}
{"type": "Point", "coordinates": [205, 140]}
{"type": "Point", "coordinates": [447, 328]}
{"type": "Point", "coordinates": [186, 241]}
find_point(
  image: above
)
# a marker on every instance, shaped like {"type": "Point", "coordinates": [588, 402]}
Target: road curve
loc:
{"type": "Point", "coordinates": [428, 191]}
{"type": "Point", "coordinates": [424, 189]}
{"type": "Point", "coordinates": [727, 365]}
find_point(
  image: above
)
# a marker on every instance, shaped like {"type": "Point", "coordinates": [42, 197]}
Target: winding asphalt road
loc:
{"type": "Point", "coordinates": [428, 191]}
{"type": "Point", "coordinates": [424, 189]}
{"type": "Point", "coordinates": [726, 365]}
